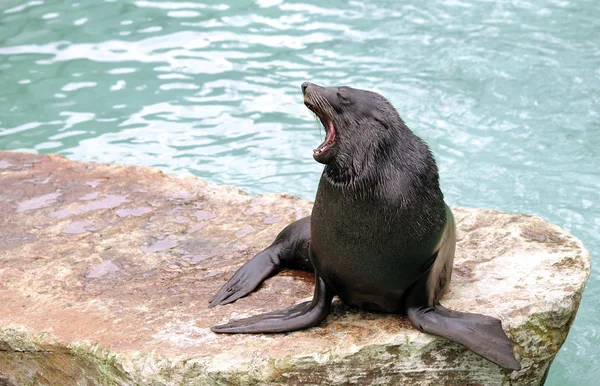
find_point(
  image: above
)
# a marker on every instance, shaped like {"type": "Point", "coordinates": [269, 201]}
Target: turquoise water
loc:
{"type": "Point", "coordinates": [505, 92]}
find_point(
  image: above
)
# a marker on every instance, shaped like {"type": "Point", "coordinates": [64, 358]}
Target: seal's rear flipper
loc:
{"type": "Point", "coordinates": [289, 250]}
{"type": "Point", "coordinates": [304, 315]}
{"type": "Point", "coordinates": [479, 333]}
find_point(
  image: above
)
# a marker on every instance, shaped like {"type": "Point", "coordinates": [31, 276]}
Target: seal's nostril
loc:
{"type": "Point", "coordinates": [304, 86]}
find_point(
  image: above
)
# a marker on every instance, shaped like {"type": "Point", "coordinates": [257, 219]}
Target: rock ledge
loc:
{"type": "Point", "coordinates": [106, 271]}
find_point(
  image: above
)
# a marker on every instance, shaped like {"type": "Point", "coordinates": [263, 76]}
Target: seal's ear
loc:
{"type": "Point", "coordinates": [343, 99]}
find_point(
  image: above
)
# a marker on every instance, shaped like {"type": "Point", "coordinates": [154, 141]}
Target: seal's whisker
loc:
{"type": "Point", "coordinates": [316, 100]}
{"type": "Point", "coordinates": [317, 120]}
{"type": "Point", "coordinates": [323, 104]}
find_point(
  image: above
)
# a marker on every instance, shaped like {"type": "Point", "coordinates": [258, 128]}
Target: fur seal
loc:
{"type": "Point", "coordinates": [380, 235]}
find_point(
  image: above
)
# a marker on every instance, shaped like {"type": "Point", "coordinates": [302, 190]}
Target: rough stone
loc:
{"type": "Point", "coordinates": [106, 272]}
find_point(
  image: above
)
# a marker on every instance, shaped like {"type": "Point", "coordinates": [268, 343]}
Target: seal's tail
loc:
{"type": "Point", "coordinates": [479, 333]}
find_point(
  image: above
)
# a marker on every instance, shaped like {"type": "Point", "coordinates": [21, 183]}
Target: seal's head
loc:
{"type": "Point", "coordinates": [364, 136]}
{"type": "Point", "coordinates": [355, 120]}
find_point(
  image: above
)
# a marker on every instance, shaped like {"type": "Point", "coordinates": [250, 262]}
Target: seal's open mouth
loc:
{"type": "Point", "coordinates": [327, 124]}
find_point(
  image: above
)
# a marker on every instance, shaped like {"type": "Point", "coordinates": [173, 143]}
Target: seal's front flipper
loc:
{"type": "Point", "coordinates": [304, 315]}
{"type": "Point", "coordinates": [479, 333]}
{"type": "Point", "coordinates": [289, 250]}
{"type": "Point", "coordinates": [248, 277]}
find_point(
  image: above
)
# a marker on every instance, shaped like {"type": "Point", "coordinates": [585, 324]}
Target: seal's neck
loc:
{"type": "Point", "coordinates": [363, 158]}
{"type": "Point", "coordinates": [401, 161]}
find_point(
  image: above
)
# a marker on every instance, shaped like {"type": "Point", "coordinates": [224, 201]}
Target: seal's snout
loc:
{"type": "Point", "coordinates": [305, 86]}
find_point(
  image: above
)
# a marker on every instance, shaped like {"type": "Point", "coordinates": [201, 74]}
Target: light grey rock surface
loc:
{"type": "Point", "coordinates": [106, 272]}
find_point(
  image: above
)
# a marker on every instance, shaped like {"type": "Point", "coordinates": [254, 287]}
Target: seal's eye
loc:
{"type": "Point", "coordinates": [343, 99]}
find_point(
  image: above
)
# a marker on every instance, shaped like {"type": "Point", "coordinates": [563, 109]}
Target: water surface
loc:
{"type": "Point", "coordinates": [505, 92]}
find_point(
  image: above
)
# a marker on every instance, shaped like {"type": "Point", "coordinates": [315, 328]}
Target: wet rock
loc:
{"type": "Point", "coordinates": [197, 227]}
{"type": "Point", "coordinates": [127, 304]}
{"type": "Point", "coordinates": [160, 245]}
{"type": "Point", "coordinates": [90, 196]}
{"type": "Point", "coordinates": [78, 227]}
{"type": "Point", "coordinates": [244, 232]}
{"type": "Point", "coordinates": [133, 211]}
{"type": "Point", "coordinates": [271, 220]}
{"type": "Point", "coordinates": [38, 202]}
{"type": "Point", "coordinates": [203, 215]}
{"type": "Point", "coordinates": [110, 201]}
{"type": "Point", "coordinates": [4, 164]}
{"type": "Point", "coordinates": [102, 269]}
{"type": "Point", "coordinates": [94, 183]}
{"type": "Point", "coordinates": [199, 258]}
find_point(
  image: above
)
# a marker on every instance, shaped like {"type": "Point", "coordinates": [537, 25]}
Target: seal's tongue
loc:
{"type": "Point", "coordinates": [329, 137]}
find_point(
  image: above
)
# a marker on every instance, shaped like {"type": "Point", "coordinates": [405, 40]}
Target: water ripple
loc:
{"type": "Point", "coordinates": [506, 93]}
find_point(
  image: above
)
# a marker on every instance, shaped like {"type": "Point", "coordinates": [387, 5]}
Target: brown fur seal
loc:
{"type": "Point", "coordinates": [380, 235]}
